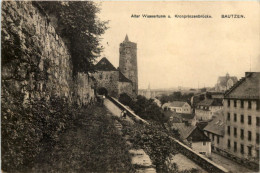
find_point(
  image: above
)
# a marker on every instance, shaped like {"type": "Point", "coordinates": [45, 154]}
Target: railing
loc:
{"type": "Point", "coordinates": [130, 113]}
{"type": "Point", "coordinates": [199, 159]}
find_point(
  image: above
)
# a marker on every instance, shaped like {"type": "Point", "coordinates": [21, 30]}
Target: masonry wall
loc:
{"type": "Point", "coordinates": [125, 87]}
{"type": "Point", "coordinates": [108, 80]}
{"type": "Point", "coordinates": [35, 60]}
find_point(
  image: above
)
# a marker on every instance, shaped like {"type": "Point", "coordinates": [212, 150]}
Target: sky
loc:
{"type": "Point", "coordinates": [174, 52]}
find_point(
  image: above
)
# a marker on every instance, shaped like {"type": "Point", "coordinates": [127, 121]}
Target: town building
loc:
{"type": "Point", "coordinates": [194, 137]}
{"type": "Point", "coordinates": [174, 117]}
{"type": "Point", "coordinates": [178, 107]}
{"type": "Point", "coordinates": [242, 117]}
{"type": "Point", "coordinates": [225, 82]}
{"type": "Point", "coordinates": [121, 80]}
{"type": "Point", "coordinates": [206, 108]}
{"type": "Point", "coordinates": [215, 130]}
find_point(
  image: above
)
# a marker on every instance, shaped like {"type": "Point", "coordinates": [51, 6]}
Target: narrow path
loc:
{"type": "Point", "coordinates": [229, 164]}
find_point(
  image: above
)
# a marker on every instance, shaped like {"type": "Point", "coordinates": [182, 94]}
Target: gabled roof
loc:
{"type": "Point", "coordinates": [174, 104]}
{"type": "Point", "coordinates": [210, 102]}
{"type": "Point", "coordinates": [217, 125]}
{"type": "Point", "coordinates": [247, 87]}
{"type": "Point", "coordinates": [192, 133]}
{"type": "Point", "coordinates": [104, 65]}
{"type": "Point", "coordinates": [122, 78]}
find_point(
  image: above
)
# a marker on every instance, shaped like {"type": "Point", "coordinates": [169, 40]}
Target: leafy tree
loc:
{"type": "Point", "coordinates": [78, 24]}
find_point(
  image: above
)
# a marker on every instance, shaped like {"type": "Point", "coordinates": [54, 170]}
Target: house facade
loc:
{"type": "Point", "coordinates": [178, 107]}
{"type": "Point", "coordinates": [215, 130]}
{"type": "Point", "coordinates": [242, 116]}
{"type": "Point", "coordinates": [206, 108]}
{"type": "Point", "coordinates": [194, 137]}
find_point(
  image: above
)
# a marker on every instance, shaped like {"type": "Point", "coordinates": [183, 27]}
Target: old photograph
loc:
{"type": "Point", "coordinates": [130, 86]}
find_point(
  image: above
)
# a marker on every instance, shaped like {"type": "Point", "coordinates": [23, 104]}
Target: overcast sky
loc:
{"type": "Point", "coordinates": [184, 52]}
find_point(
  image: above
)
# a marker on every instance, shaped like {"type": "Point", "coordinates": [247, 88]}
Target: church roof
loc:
{"type": "Point", "coordinates": [105, 65]}
{"type": "Point", "coordinates": [247, 87]}
{"type": "Point", "coordinates": [224, 79]}
{"type": "Point", "coordinates": [122, 78]}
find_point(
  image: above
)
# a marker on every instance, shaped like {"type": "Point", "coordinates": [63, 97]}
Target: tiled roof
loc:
{"type": "Point", "coordinates": [104, 65]}
{"type": "Point", "coordinates": [210, 102]}
{"type": "Point", "coordinates": [190, 132]}
{"type": "Point", "coordinates": [247, 87]}
{"type": "Point", "coordinates": [122, 78]}
{"type": "Point", "coordinates": [174, 104]}
{"type": "Point", "coordinates": [217, 125]}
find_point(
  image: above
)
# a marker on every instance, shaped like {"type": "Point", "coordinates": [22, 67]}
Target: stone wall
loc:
{"type": "Point", "coordinates": [35, 60]}
{"type": "Point", "coordinates": [125, 87]}
{"type": "Point", "coordinates": [108, 80]}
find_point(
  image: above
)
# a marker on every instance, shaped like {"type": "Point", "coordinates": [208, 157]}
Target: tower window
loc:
{"type": "Point", "coordinates": [249, 136]}
{"type": "Point", "coordinates": [242, 149]}
{"type": "Point", "coordinates": [235, 103]}
{"type": "Point", "coordinates": [235, 146]}
{"type": "Point", "coordinates": [235, 117]}
{"type": "Point", "coordinates": [249, 105]}
{"type": "Point", "coordinates": [242, 118]}
{"type": "Point", "coordinates": [242, 104]}
{"type": "Point", "coordinates": [249, 120]}
{"type": "Point", "coordinates": [241, 133]}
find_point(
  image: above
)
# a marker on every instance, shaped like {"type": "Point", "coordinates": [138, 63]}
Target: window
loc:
{"type": "Point", "coordinates": [249, 105]}
{"type": "Point", "coordinates": [228, 130]}
{"type": "Point", "coordinates": [257, 121]}
{"type": "Point", "coordinates": [242, 118]}
{"type": "Point", "coordinates": [228, 103]}
{"type": "Point", "coordinates": [235, 103]}
{"type": "Point", "coordinates": [249, 120]}
{"type": "Point", "coordinates": [235, 117]}
{"type": "Point", "coordinates": [235, 131]}
{"type": "Point", "coordinates": [257, 105]}
{"type": "Point", "coordinates": [213, 137]}
{"type": "Point", "coordinates": [235, 146]}
{"type": "Point", "coordinates": [242, 149]}
{"type": "Point", "coordinates": [228, 116]}
{"type": "Point", "coordinates": [242, 103]}
{"type": "Point", "coordinates": [257, 138]}
{"type": "Point", "coordinates": [204, 143]}
{"type": "Point", "coordinates": [257, 154]}
{"type": "Point", "coordinates": [229, 144]}
{"type": "Point", "coordinates": [249, 150]}
{"type": "Point", "coordinates": [249, 135]}
{"type": "Point", "coordinates": [241, 133]}
{"type": "Point", "coordinates": [218, 139]}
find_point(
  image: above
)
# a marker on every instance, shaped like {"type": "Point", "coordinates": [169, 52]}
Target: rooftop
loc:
{"type": "Point", "coordinates": [247, 87]}
{"type": "Point", "coordinates": [105, 65]}
{"type": "Point", "coordinates": [190, 132]}
{"type": "Point", "coordinates": [210, 102]}
{"type": "Point", "coordinates": [217, 125]}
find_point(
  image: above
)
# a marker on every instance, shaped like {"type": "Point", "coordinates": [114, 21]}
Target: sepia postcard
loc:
{"type": "Point", "coordinates": [130, 86]}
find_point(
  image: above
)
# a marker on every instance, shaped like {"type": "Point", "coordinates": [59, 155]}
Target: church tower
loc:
{"type": "Point", "coordinates": [128, 62]}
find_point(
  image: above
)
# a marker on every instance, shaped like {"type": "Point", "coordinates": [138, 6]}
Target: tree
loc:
{"type": "Point", "coordinates": [77, 22]}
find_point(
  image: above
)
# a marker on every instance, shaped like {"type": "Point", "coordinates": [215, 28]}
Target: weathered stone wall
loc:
{"type": "Point", "coordinates": [108, 80]}
{"type": "Point", "coordinates": [125, 87]}
{"type": "Point", "coordinates": [35, 60]}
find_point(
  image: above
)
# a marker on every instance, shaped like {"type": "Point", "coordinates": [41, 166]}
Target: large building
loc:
{"type": "Point", "coordinates": [121, 80]}
{"type": "Point", "coordinates": [206, 108]}
{"type": "Point", "coordinates": [225, 82]}
{"type": "Point", "coordinates": [128, 62]}
{"type": "Point", "coordinates": [242, 116]}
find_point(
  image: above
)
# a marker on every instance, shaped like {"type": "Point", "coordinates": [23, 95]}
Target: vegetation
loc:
{"type": "Point", "coordinates": [146, 109]}
{"type": "Point", "coordinates": [59, 137]}
{"type": "Point", "coordinates": [78, 24]}
{"type": "Point", "coordinates": [176, 96]}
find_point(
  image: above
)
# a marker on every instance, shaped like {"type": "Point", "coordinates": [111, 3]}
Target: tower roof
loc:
{"type": "Point", "coordinates": [126, 38]}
